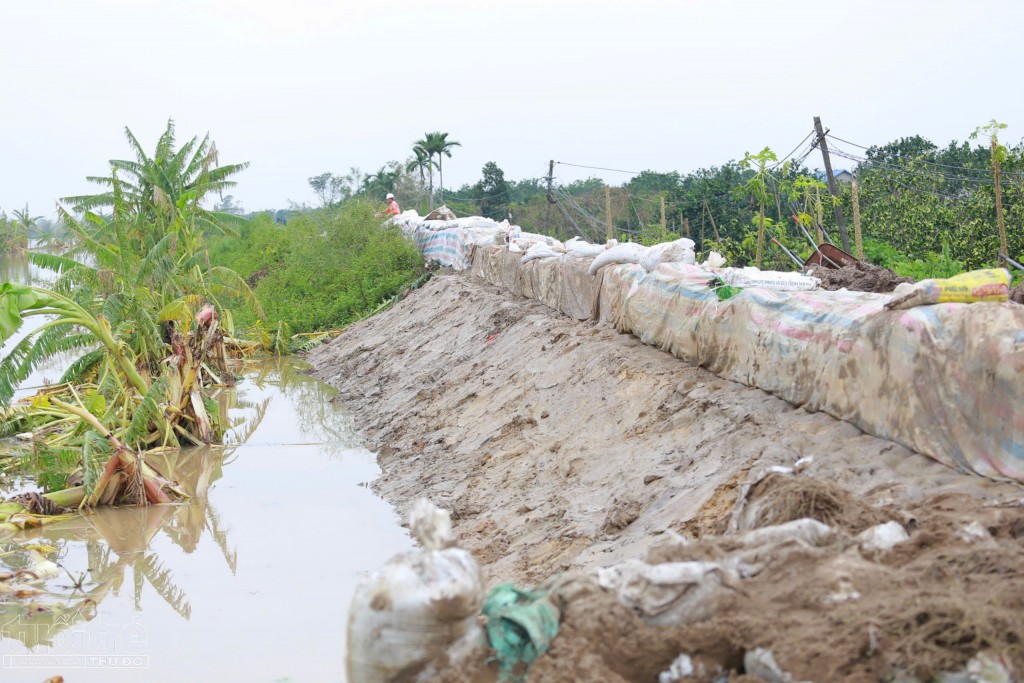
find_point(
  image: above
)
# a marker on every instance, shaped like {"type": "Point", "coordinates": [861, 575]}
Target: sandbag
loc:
{"type": "Point", "coordinates": [413, 609]}
{"type": "Point", "coordinates": [441, 213]}
{"type": "Point", "coordinates": [540, 250]}
{"type": "Point", "coordinates": [578, 248]}
{"type": "Point", "coordinates": [679, 251]}
{"type": "Point", "coordinates": [629, 252]}
{"type": "Point", "coordinates": [769, 279]}
{"type": "Point", "coordinates": [992, 284]}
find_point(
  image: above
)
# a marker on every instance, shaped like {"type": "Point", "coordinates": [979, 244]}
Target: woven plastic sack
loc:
{"type": "Point", "coordinates": [416, 607]}
{"type": "Point", "coordinates": [978, 285]}
{"type": "Point", "coordinates": [621, 253]}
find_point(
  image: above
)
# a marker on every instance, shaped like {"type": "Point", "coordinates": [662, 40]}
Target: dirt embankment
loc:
{"type": "Point", "coordinates": [564, 445]}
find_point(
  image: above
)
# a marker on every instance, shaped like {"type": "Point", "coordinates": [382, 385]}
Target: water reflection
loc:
{"type": "Point", "coordinates": [117, 540]}
{"type": "Point", "coordinates": [178, 568]}
{"type": "Point", "coordinates": [176, 575]}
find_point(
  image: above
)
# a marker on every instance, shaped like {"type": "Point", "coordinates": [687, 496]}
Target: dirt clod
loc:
{"type": "Point", "coordinates": [1017, 294]}
{"type": "Point", "coordinates": [860, 277]}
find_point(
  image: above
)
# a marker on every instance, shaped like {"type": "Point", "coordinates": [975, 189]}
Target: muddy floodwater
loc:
{"type": "Point", "coordinates": [248, 581]}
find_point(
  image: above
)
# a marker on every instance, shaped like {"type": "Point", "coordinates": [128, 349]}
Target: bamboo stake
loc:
{"type": "Point", "coordinates": [818, 229]}
{"type": "Point", "coordinates": [760, 239]}
{"type": "Point", "coordinates": [858, 244]}
{"type": "Point", "coordinates": [608, 211]}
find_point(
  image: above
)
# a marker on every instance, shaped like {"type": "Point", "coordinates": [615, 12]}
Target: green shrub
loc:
{"type": "Point", "coordinates": [322, 270]}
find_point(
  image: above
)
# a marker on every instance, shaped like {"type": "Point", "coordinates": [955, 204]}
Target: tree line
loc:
{"type": "Point", "coordinates": [923, 207]}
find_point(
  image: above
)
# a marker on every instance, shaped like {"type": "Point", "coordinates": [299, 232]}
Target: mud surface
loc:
{"type": "Point", "coordinates": [562, 446]}
{"type": "Point", "coordinates": [862, 277]}
{"type": "Point", "coordinates": [1017, 294]}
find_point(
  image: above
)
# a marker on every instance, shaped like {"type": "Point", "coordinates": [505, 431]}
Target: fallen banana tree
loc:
{"type": "Point", "coordinates": [89, 431]}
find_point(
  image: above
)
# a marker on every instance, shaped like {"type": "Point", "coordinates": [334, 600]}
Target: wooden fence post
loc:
{"type": "Point", "coordinates": [859, 245]}
{"type": "Point", "coordinates": [608, 210]}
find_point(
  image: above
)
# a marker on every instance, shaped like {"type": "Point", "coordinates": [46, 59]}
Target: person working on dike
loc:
{"type": "Point", "coordinates": [392, 209]}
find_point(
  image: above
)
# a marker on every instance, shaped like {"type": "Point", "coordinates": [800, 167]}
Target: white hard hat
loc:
{"type": "Point", "coordinates": [390, 196]}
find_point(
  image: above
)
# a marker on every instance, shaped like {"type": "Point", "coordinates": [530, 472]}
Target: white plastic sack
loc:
{"type": "Point", "coordinates": [680, 251]}
{"type": "Point", "coordinates": [629, 252]}
{"type": "Point", "coordinates": [769, 279]}
{"type": "Point", "coordinates": [414, 608]}
{"type": "Point", "coordinates": [540, 251]}
{"type": "Point", "coordinates": [714, 260]}
{"type": "Point", "coordinates": [669, 593]}
{"type": "Point", "coordinates": [577, 248]}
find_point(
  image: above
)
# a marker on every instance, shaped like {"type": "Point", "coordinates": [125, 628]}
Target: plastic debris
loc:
{"type": "Point", "coordinates": [520, 626]}
{"type": "Point", "coordinates": [973, 532]}
{"type": "Point", "coordinates": [760, 663]}
{"type": "Point", "coordinates": [680, 666]}
{"type": "Point", "coordinates": [883, 537]}
{"type": "Point", "coordinates": [714, 260]}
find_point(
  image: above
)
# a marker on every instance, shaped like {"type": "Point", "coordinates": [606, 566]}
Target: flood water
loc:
{"type": "Point", "coordinates": [249, 580]}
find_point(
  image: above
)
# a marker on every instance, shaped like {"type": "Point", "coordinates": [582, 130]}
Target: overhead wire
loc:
{"type": "Point", "coordinates": [969, 169]}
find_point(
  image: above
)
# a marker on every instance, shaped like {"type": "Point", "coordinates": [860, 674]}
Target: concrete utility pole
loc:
{"type": "Point", "coordinates": [608, 211]}
{"type": "Point", "coordinates": [551, 200]}
{"type": "Point", "coordinates": [832, 184]}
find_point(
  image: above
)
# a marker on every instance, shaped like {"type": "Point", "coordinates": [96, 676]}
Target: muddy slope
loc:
{"type": "Point", "coordinates": [560, 444]}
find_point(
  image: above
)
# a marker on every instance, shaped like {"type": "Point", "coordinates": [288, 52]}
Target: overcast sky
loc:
{"type": "Point", "coordinates": [299, 87]}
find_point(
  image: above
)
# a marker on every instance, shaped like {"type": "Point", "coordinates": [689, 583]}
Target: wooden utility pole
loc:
{"type": "Point", "coordinates": [664, 225]}
{"type": "Point", "coordinates": [608, 211]}
{"type": "Point", "coordinates": [997, 172]}
{"type": "Point", "coordinates": [832, 184]}
{"type": "Point", "coordinates": [551, 199]}
{"type": "Point", "coordinates": [685, 222]}
{"type": "Point", "coordinates": [858, 244]}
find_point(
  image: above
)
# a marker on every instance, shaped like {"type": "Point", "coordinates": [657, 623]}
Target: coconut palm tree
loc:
{"type": "Point", "coordinates": [383, 181]}
{"type": "Point", "coordinates": [437, 143]}
{"type": "Point", "coordinates": [423, 147]}
{"type": "Point", "coordinates": [421, 162]}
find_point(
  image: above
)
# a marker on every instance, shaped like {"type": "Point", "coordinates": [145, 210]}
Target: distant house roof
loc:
{"type": "Point", "coordinates": [840, 174]}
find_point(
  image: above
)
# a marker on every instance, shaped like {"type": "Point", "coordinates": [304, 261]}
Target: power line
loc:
{"type": "Point", "coordinates": [920, 173]}
{"type": "Point", "coordinates": [598, 168]}
{"type": "Point", "coordinates": [969, 169]}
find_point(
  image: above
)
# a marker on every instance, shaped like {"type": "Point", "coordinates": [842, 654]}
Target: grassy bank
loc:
{"type": "Point", "coordinates": [323, 269]}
